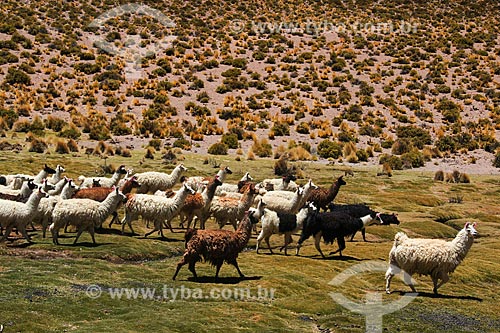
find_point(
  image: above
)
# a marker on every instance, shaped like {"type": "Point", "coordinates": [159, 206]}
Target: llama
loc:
{"type": "Point", "coordinates": [46, 206]}
{"type": "Point", "coordinates": [197, 181]}
{"type": "Point", "coordinates": [58, 187]}
{"type": "Point", "coordinates": [21, 195]}
{"type": "Point", "coordinates": [332, 226]}
{"type": "Point", "coordinates": [360, 210]}
{"type": "Point", "coordinates": [274, 201]}
{"type": "Point", "coordinates": [153, 181]}
{"type": "Point", "coordinates": [56, 177]}
{"type": "Point", "coordinates": [88, 182]}
{"type": "Point", "coordinates": [231, 210]}
{"type": "Point", "coordinates": [44, 173]}
{"type": "Point", "coordinates": [85, 214]}
{"type": "Point", "coordinates": [321, 197]}
{"type": "Point", "coordinates": [216, 246]}
{"type": "Point", "coordinates": [434, 257]}
{"type": "Point", "coordinates": [278, 223]}
{"type": "Point", "coordinates": [100, 193]}
{"type": "Point", "coordinates": [19, 214]}
{"type": "Point", "coordinates": [154, 208]}
{"type": "Point", "coordinates": [286, 183]}
{"type": "Point", "coordinates": [198, 204]}
{"type": "Point", "coordinates": [235, 188]}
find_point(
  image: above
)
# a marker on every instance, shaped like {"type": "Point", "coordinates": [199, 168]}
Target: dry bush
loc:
{"type": "Point", "coordinates": [386, 170]}
{"type": "Point", "coordinates": [299, 153]}
{"type": "Point", "coordinates": [456, 176]}
{"type": "Point", "coordinates": [72, 145]}
{"type": "Point", "coordinates": [279, 151]}
{"type": "Point", "coordinates": [281, 166]}
{"type": "Point", "coordinates": [62, 147]}
{"type": "Point", "coordinates": [250, 155]}
{"type": "Point", "coordinates": [352, 158]}
{"type": "Point", "coordinates": [349, 149]}
{"type": "Point", "coordinates": [109, 151]}
{"type": "Point", "coordinates": [126, 153]}
{"type": "Point", "coordinates": [150, 153]}
{"type": "Point", "coordinates": [464, 178]}
{"type": "Point", "coordinates": [439, 175]}
{"type": "Point", "coordinates": [38, 146]}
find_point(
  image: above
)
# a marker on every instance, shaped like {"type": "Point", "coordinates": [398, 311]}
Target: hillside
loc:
{"type": "Point", "coordinates": [419, 80]}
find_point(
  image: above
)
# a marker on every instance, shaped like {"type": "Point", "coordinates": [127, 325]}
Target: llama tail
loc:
{"type": "Point", "coordinates": [51, 227]}
{"type": "Point", "coordinates": [399, 238]}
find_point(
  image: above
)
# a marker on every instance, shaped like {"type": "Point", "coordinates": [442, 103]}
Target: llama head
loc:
{"type": "Point", "coordinates": [32, 185]}
{"type": "Point", "coordinates": [470, 228]}
{"type": "Point", "coordinates": [49, 170]}
{"type": "Point", "coordinates": [41, 193]}
{"type": "Point", "coordinates": [311, 184]}
{"type": "Point", "coordinates": [389, 219]}
{"type": "Point", "coordinates": [228, 171]}
{"type": "Point", "coordinates": [188, 188]}
{"type": "Point", "coordinates": [182, 167]}
{"type": "Point", "coordinates": [135, 183]}
{"type": "Point", "coordinates": [122, 170]}
{"type": "Point", "coordinates": [341, 181]}
{"type": "Point", "coordinates": [60, 169]}
{"type": "Point", "coordinates": [117, 193]}
{"type": "Point", "coordinates": [96, 183]}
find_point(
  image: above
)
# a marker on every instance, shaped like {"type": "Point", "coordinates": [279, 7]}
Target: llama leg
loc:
{"type": "Point", "coordinates": [269, 245]}
{"type": "Point", "coordinates": [363, 232]}
{"type": "Point", "coordinates": [22, 229]}
{"type": "Point", "coordinates": [8, 230]}
{"type": "Point", "coordinates": [217, 269]}
{"type": "Point", "coordinates": [179, 266]}
{"type": "Point", "coordinates": [91, 231]}
{"type": "Point", "coordinates": [235, 264]}
{"type": "Point", "coordinates": [444, 278]}
{"type": "Point", "coordinates": [317, 240]}
{"type": "Point", "coordinates": [55, 235]}
{"type": "Point", "coordinates": [352, 237]}
{"type": "Point", "coordinates": [259, 240]}
{"type": "Point", "coordinates": [79, 232]}
{"type": "Point", "coordinates": [192, 268]}
{"type": "Point", "coordinates": [391, 271]}
{"type": "Point", "coordinates": [115, 217]}
{"type": "Point", "coordinates": [169, 225]}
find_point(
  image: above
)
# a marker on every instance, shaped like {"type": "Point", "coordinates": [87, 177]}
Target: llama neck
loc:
{"type": "Point", "coordinates": [109, 204]}
{"type": "Point", "coordinates": [222, 175]}
{"type": "Point", "coordinates": [41, 175]}
{"type": "Point", "coordinates": [176, 173]}
{"type": "Point", "coordinates": [333, 191]}
{"type": "Point", "coordinates": [462, 243]}
{"type": "Point", "coordinates": [67, 191]}
{"type": "Point", "coordinates": [33, 201]}
{"type": "Point", "coordinates": [302, 216]}
{"type": "Point", "coordinates": [59, 187]}
{"type": "Point", "coordinates": [209, 192]}
{"type": "Point", "coordinates": [246, 200]}
{"type": "Point", "coordinates": [366, 220]}
{"type": "Point", "coordinates": [25, 190]}
{"type": "Point", "coordinates": [243, 232]}
{"type": "Point", "coordinates": [57, 176]}
{"type": "Point", "coordinates": [180, 196]}
{"type": "Point", "coordinates": [116, 177]}
{"type": "Point", "coordinates": [127, 186]}
{"type": "Point", "coordinates": [296, 200]}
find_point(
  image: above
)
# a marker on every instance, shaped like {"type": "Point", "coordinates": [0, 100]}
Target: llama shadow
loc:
{"type": "Point", "coordinates": [223, 280]}
{"type": "Point", "coordinates": [84, 244]}
{"type": "Point", "coordinates": [336, 258]}
{"type": "Point", "coordinates": [108, 231]}
{"type": "Point", "coordinates": [432, 295]}
{"type": "Point", "coordinates": [16, 244]}
{"type": "Point", "coordinates": [163, 239]}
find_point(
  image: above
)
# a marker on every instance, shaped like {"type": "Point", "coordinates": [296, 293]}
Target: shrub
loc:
{"type": "Point", "coordinates": [16, 76]}
{"type": "Point", "coordinates": [182, 143]}
{"type": "Point", "coordinates": [416, 135]}
{"type": "Point", "coordinates": [496, 160]}
{"type": "Point", "coordinates": [362, 155]}
{"type": "Point", "coordinates": [281, 166]}
{"type": "Point", "coordinates": [230, 139]}
{"type": "Point", "coordinates": [70, 132]}
{"type": "Point", "coordinates": [54, 123]}
{"type": "Point", "coordinates": [262, 148]}
{"type": "Point", "coordinates": [393, 161]}
{"type": "Point", "coordinates": [72, 145]}
{"type": "Point", "coordinates": [329, 149]}
{"type": "Point", "coordinates": [281, 129]}
{"type": "Point", "coordinates": [439, 176]}
{"type": "Point", "coordinates": [38, 146]}
{"type": "Point", "coordinates": [62, 147]}
{"type": "Point", "coordinates": [155, 143]}
{"type": "Point", "coordinates": [464, 178]}
{"type": "Point", "coordinates": [9, 116]}
{"type": "Point", "coordinates": [126, 153]}
{"type": "Point", "coordinates": [150, 153]}
{"type": "Point", "coordinates": [414, 158]}
{"type": "Point", "coordinates": [218, 148]}
{"type": "Point", "coordinates": [401, 146]}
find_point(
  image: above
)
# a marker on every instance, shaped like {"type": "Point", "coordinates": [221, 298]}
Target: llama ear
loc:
{"type": "Point", "coordinates": [474, 224]}
{"type": "Point", "coordinates": [466, 225]}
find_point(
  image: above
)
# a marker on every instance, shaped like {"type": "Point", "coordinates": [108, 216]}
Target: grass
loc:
{"type": "Point", "coordinates": [49, 282]}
